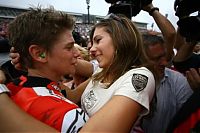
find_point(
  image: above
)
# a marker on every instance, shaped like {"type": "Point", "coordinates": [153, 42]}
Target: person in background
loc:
{"type": "Point", "coordinates": [187, 118]}
{"type": "Point", "coordinates": [186, 61]}
{"type": "Point", "coordinates": [185, 57]}
{"type": "Point", "coordinates": [4, 57]}
{"type": "Point", "coordinates": [4, 44]}
{"type": "Point", "coordinates": [4, 30]}
{"type": "Point", "coordinates": [188, 36]}
{"type": "Point", "coordinates": [48, 53]}
{"type": "Point", "coordinates": [172, 91]}
{"type": "Point", "coordinates": [196, 49]}
{"type": "Point", "coordinates": [167, 29]}
{"type": "Point", "coordinates": [4, 51]}
{"type": "Point", "coordinates": [79, 39]}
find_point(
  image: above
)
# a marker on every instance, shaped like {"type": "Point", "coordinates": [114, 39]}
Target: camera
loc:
{"type": "Point", "coordinates": [188, 25]}
{"type": "Point", "coordinates": [129, 8]}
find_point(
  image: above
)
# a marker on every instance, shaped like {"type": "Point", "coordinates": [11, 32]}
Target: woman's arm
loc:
{"type": "Point", "coordinates": [84, 68]}
{"type": "Point", "coordinates": [118, 115]}
{"type": "Point", "coordinates": [75, 94]}
{"type": "Point", "coordinates": [2, 77]}
{"type": "Point", "coordinates": [13, 119]}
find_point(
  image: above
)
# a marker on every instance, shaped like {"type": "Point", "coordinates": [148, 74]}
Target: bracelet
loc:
{"type": "Point", "coordinates": [152, 10]}
{"type": "Point", "coordinates": [3, 89]}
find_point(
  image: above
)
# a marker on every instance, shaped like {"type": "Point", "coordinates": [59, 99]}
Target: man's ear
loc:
{"type": "Point", "coordinates": [37, 53]}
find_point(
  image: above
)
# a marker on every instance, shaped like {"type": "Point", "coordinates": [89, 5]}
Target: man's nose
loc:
{"type": "Point", "coordinates": [163, 61]}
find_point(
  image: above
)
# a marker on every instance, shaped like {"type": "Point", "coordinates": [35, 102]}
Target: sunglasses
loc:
{"type": "Point", "coordinates": [114, 17]}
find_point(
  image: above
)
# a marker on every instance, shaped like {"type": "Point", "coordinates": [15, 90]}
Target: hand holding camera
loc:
{"type": "Point", "coordinates": [129, 8]}
{"type": "Point", "coordinates": [189, 25]}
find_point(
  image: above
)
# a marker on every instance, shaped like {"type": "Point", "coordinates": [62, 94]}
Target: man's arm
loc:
{"type": "Point", "coordinates": [166, 27]}
{"type": "Point", "coordinates": [84, 68]}
{"type": "Point", "coordinates": [184, 49]}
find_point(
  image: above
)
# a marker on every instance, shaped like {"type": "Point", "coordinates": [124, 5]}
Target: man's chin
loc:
{"type": "Point", "coordinates": [161, 75]}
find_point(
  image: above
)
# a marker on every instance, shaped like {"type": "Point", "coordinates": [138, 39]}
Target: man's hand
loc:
{"type": "Point", "coordinates": [193, 78]}
{"type": "Point", "coordinates": [148, 7]}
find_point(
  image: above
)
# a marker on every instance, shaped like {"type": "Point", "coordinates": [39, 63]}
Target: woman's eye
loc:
{"type": "Point", "coordinates": [98, 40]}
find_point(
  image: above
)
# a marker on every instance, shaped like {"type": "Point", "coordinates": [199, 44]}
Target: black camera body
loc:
{"type": "Point", "coordinates": [189, 26]}
{"type": "Point", "coordinates": [129, 8]}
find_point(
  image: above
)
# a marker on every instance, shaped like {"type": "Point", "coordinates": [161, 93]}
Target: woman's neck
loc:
{"type": "Point", "coordinates": [108, 79]}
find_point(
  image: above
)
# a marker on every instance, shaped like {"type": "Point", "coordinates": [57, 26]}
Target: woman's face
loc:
{"type": "Point", "coordinates": [79, 55]}
{"type": "Point", "coordinates": [63, 55]}
{"type": "Point", "coordinates": [102, 49]}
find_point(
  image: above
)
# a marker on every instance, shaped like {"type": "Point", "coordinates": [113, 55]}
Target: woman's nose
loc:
{"type": "Point", "coordinates": [93, 51]}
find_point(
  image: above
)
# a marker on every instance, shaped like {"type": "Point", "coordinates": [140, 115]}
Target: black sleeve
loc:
{"type": "Point", "coordinates": [11, 72]}
{"type": "Point", "coordinates": [192, 62]}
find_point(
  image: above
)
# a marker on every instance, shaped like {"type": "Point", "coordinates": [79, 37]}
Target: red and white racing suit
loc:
{"type": "Point", "coordinates": [42, 99]}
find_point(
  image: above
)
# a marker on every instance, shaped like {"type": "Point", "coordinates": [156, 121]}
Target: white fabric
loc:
{"type": "Point", "coordinates": [3, 89]}
{"type": "Point", "coordinates": [73, 121]}
{"type": "Point", "coordinates": [96, 95]}
{"type": "Point", "coordinates": [95, 64]}
{"type": "Point", "coordinates": [4, 57]}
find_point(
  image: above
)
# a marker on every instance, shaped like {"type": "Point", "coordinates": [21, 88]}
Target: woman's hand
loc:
{"type": "Point", "coordinates": [15, 57]}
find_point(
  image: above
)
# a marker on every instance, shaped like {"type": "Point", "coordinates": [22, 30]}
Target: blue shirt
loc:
{"type": "Point", "coordinates": [172, 92]}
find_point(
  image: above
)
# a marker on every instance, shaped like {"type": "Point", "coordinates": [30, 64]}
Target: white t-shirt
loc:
{"type": "Point", "coordinates": [137, 84]}
{"type": "Point", "coordinates": [95, 64]}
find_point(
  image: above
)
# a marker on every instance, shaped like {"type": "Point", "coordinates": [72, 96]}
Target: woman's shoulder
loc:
{"type": "Point", "coordinates": [140, 73]}
{"type": "Point", "coordinates": [140, 70]}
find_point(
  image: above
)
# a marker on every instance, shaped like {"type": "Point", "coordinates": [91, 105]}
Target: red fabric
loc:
{"type": "Point", "coordinates": [48, 109]}
{"type": "Point", "coordinates": [187, 125]}
{"type": "Point", "coordinates": [13, 89]}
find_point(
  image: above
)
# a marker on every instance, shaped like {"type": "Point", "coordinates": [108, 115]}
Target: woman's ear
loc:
{"type": "Point", "coordinates": [37, 53]}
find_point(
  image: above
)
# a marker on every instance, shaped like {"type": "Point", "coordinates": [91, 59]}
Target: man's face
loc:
{"type": "Point", "coordinates": [157, 54]}
{"type": "Point", "coordinates": [63, 56]}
